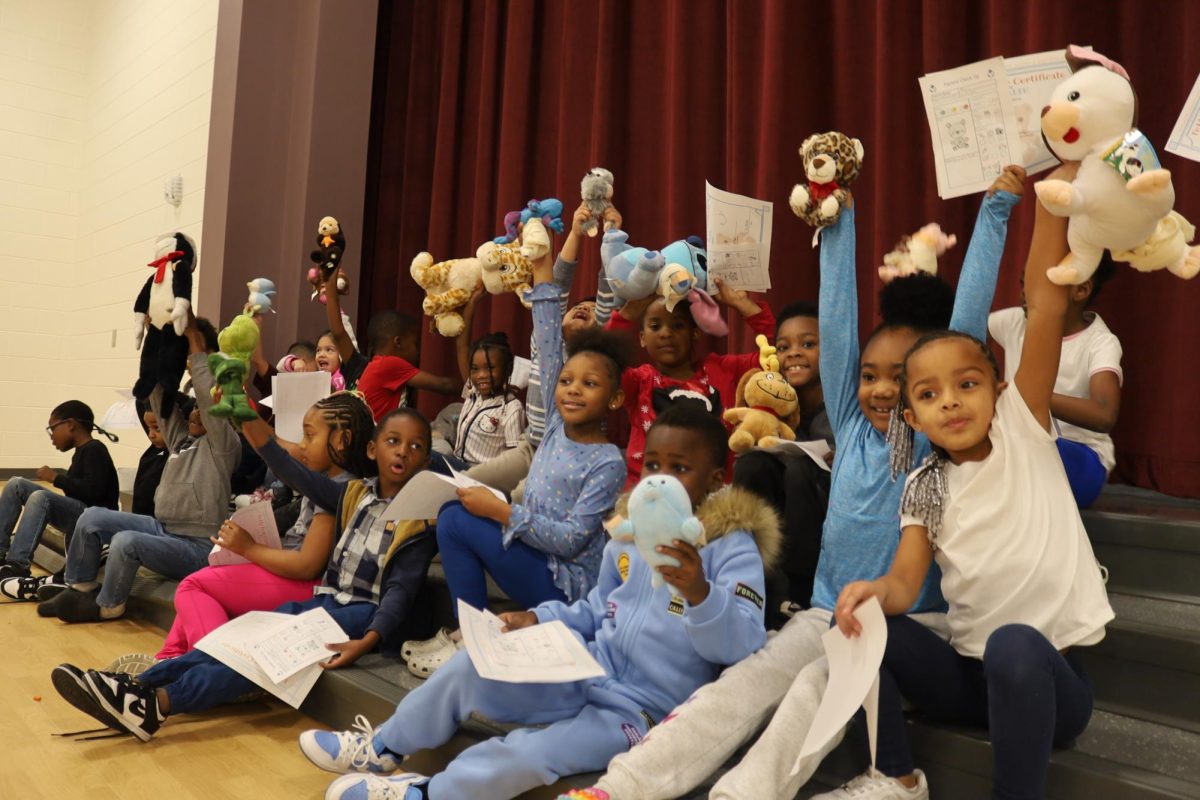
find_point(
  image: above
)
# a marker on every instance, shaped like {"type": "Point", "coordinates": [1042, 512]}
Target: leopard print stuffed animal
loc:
{"type": "Point", "coordinates": [831, 163]}
{"type": "Point", "coordinates": [505, 270]}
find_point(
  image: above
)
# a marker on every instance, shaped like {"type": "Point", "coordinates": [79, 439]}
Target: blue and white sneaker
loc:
{"type": "Point", "coordinates": [373, 787]}
{"type": "Point", "coordinates": [347, 751]}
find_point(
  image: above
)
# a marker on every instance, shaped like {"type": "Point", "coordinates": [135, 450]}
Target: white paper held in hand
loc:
{"type": "Point", "coordinates": [426, 492]}
{"type": "Point", "coordinates": [853, 680]}
{"type": "Point", "coordinates": [258, 520]}
{"type": "Point", "coordinates": [545, 653]}
{"type": "Point", "coordinates": [230, 644]}
{"type": "Point", "coordinates": [739, 240]}
{"type": "Point", "coordinates": [1185, 136]}
{"type": "Point", "coordinates": [292, 395]}
{"type": "Point", "coordinates": [297, 642]}
{"type": "Point", "coordinates": [817, 450]}
{"type": "Point", "coordinates": [972, 124]}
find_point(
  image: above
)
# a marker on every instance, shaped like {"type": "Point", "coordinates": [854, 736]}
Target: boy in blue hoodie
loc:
{"type": "Point", "coordinates": [656, 647]}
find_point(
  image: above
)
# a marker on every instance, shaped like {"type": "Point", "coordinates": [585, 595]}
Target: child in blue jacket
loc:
{"type": "Point", "coordinates": [656, 647]}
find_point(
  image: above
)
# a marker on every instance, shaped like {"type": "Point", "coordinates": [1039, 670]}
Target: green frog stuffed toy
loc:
{"type": "Point", "coordinates": [230, 368]}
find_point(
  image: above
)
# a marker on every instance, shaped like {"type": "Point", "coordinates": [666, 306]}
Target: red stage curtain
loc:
{"type": "Point", "coordinates": [482, 105]}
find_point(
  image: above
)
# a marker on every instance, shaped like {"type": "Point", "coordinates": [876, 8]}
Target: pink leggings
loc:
{"type": "Point", "coordinates": [207, 599]}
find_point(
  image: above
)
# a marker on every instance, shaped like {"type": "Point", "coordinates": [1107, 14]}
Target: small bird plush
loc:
{"type": "Point", "coordinates": [659, 512]}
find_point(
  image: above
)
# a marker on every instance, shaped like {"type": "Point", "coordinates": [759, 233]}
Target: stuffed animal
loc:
{"type": "Point", "coordinates": [230, 368]}
{"type": "Point", "coordinates": [505, 269]}
{"type": "Point", "coordinates": [262, 293]}
{"type": "Point", "coordinates": [659, 512]}
{"type": "Point", "coordinates": [770, 404]}
{"type": "Point", "coordinates": [448, 285]}
{"type": "Point", "coordinates": [596, 190]}
{"type": "Point", "coordinates": [1121, 199]}
{"type": "Point", "coordinates": [831, 163]}
{"type": "Point", "coordinates": [160, 315]}
{"type": "Point", "coordinates": [331, 246]}
{"type": "Point", "coordinates": [917, 253]}
{"type": "Point", "coordinates": [548, 211]}
{"type": "Point", "coordinates": [678, 271]}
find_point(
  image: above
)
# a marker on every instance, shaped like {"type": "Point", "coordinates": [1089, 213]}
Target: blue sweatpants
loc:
{"type": "Point", "coordinates": [589, 724]}
{"type": "Point", "coordinates": [1027, 695]}
{"type": "Point", "coordinates": [471, 547]}
{"type": "Point", "coordinates": [196, 681]}
{"type": "Point", "coordinates": [1085, 471]}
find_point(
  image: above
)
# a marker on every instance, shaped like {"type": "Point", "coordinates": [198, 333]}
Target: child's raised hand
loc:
{"type": "Point", "coordinates": [1011, 180]}
{"type": "Point", "coordinates": [612, 219]}
{"type": "Point", "coordinates": [854, 595]}
{"type": "Point", "coordinates": [45, 474]}
{"type": "Point", "coordinates": [734, 298]}
{"type": "Point", "coordinates": [582, 214]}
{"type": "Point", "coordinates": [233, 537]}
{"type": "Point", "coordinates": [515, 620]}
{"type": "Point", "coordinates": [688, 578]}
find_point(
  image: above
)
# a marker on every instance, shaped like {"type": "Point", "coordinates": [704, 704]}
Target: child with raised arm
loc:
{"type": "Point", "coordinates": [783, 683]}
{"type": "Point", "coordinates": [370, 583]}
{"type": "Point", "coordinates": [655, 645]}
{"type": "Point", "coordinates": [992, 506]}
{"type": "Point", "coordinates": [90, 481]}
{"type": "Point", "coordinates": [1087, 395]}
{"type": "Point", "coordinates": [548, 546]}
{"type": "Point", "coordinates": [669, 337]}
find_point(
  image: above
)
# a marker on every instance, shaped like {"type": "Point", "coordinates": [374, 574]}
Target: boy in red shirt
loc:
{"type": "Point", "coordinates": [393, 341]}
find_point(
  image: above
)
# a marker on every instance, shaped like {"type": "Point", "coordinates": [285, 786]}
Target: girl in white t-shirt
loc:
{"type": "Point", "coordinates": [492, 418]}
{"type": "Point", "coordinates": [992, 505]}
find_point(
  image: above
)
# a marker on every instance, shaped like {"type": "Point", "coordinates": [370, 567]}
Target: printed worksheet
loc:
{"type": "Point", "coordinates": [1185, 137]}
{"type": "Point", "coordinates": [545, 653]}
{"type": "Point", "coordinates": [292, 395]}
{"type": "Point", "coordinates": [297, 642]}
{"type": "Point", "coordinates": [425, 494]}
{"type": "Point", "coordinates": [972, 124]}
{"type": "Point", "coordinates": [739, 239]}
{"type": "Point", "coordinates": [230, 644]}
{"type": "Point", "coordinates": [1031, 81]}
{"type": "Point", "coordinates": [258, 520]}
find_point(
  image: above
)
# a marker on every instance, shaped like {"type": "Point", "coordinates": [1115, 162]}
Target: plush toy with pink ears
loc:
{"type": "Point", "coordinates": [1121, 200]}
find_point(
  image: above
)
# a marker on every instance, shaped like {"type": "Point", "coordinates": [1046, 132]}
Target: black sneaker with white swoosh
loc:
{"type": "Point", "coordinates": [132, 705]}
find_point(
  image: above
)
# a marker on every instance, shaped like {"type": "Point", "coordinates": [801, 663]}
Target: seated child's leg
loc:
{"type": "Point", "coordinates": [766, 771]}
{"type": "Point", "coordinates": [942, 684]}
{"type": "Point", "coordinates": [41, 509]}
{"type": "Point", "coordinates": [210, 597]}
{"type": "Point", "coordinates": [1085, 471]}
{"type": "Point", "coordinates": [430, 715]}
{"type": "Point", "coordinates": [17, 492]}
{"type": "Point", "coordinates": [528, 758]}
{"type": "Point", "coordinates": [1037, 698]}
{"type": "Point", "coordinates": [196, 682]}
{"type": "Point", "coordinates": [700, 735]}
{"type": "Point", "coordinates": [96, 527]}
{"type": "Point", "coordinates": [506, 470]}
{"type": "Point", "coordinates": [165, 553]}
{"type": "Point", "coordinates": [472, 546]}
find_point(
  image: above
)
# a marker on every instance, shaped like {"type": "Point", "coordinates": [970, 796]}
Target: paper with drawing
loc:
{"type": "Point", "coordinates": [545, 653]}
{"type": "Point", "coordinates": [1185, 137]}
{"type": "Point", "coordinates": [739, 239]}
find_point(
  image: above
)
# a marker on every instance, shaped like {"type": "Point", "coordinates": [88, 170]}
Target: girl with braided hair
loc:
{"type": "Point", "coordinates": [993, 507]}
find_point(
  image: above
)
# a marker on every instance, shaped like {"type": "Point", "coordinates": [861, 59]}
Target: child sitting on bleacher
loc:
{"type": "Point", "coordinates": [1087, 394]}
{"type": "Point", "coordinates": [90, 481]}
{"type": "Point", "coordinates": [993, 507]}
{"type": "Point", "coordinates": [492, 418]}
{"type": "Point", "coordinates": [548, 546]}
{"type": "Point", "coordinates": [371, 580]}
{"type": "Point", "coordinates": [191, 503]}
{"type": "Point", "coordinates": [337, 432]}
{"type": "Point", "coordinates": [656, 646]}
{"type": "Point", "coordinates": [153, 459]}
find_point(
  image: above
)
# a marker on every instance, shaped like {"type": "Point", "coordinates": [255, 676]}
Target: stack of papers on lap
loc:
{"type": "Point", "coordinates": [425, 494]}
{"type": "Point", "coordinates": [545, 653]}
{"type": "Point", "coordinates": [290, 646]}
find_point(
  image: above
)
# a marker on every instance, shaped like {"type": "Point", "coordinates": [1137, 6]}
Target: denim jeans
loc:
{"type": "Point", "coordinates": [134, 540]}
{"type": "Point", "coordinates": [41, 507]}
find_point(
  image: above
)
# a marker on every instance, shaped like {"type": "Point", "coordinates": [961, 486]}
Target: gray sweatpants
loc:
{"type": "Point", "coordinates": [506, 472]}
{"type": "Point", "coordinates": [783, 683]}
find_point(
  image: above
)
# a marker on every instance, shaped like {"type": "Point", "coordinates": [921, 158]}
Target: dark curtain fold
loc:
{"type": "Point", "coordinates": [482, 105]}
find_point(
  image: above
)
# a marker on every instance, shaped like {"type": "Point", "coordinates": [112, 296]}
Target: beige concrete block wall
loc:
{"type": "Point", "coordinates": [117, 105]}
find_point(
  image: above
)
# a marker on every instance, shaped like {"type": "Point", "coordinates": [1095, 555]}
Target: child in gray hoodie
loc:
{"type": "Point", "coordinates": [190, 504]}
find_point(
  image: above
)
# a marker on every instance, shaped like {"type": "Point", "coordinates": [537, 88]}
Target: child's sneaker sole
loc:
{"type": "Point", "coordinates": [71, 684]}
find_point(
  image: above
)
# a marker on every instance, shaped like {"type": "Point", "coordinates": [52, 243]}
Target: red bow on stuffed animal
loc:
{"type": "Point", "coordinates": [161, 264]}
{"type": "Point", "coordinates": [819, 191]}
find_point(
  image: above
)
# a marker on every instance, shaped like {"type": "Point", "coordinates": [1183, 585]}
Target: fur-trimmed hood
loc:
{"type": "Point", "coordinates": [734, 509]}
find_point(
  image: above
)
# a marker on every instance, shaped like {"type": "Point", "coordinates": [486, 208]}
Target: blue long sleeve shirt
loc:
{"type": "Point", "coordinates": [571, 486]}
{"type": "Point", "coordinates": [862, 525]}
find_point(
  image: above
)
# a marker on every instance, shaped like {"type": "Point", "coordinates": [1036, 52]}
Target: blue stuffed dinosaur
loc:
{"type": "Point", "coordinates": [659, 512]}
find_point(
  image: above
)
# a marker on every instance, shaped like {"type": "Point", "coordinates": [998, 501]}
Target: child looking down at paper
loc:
{"type": "Point", "coordinates": [656, 646]}
{"type": "Point", "coordinates": [369, 586]}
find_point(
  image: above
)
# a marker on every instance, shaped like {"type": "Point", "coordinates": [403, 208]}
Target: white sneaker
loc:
{"type": "Point", "coordinates": [426, 663]}
{"type": "Point", "coordinates": [874, 785]}
{"type": "Point", "coordinates": [347, 751]}
{"type": "Point", "coordinates": [414, 646]}
{"type": "Point", "coordinates": [373, 787]}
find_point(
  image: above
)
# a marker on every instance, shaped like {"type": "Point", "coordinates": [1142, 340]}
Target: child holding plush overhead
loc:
{"type": "Point", "coordinates": [656, 646]}
{"type": "Point", "coordinates": [91, 480]}
{"type": "Point", "coordinates": [1087, 394]}
{"type": "Point", "coordinates": [668, 337]}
